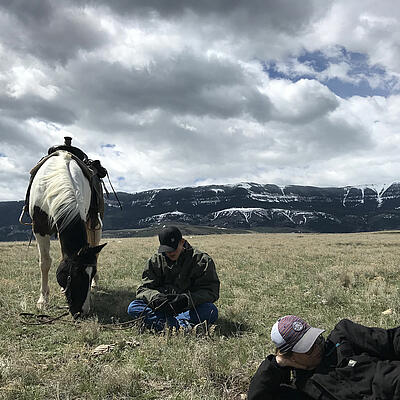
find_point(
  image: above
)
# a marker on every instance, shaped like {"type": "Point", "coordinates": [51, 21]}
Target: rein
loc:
{"type": "Point", "coordinates": [69, 278]}
{"type": "Point", "coordinates": [43, 319]}
{"type": "Point", "coordinates": [112, 187]}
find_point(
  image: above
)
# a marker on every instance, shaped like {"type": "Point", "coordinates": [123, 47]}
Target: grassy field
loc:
{"type": "Point", "coordinates": [323, 278]}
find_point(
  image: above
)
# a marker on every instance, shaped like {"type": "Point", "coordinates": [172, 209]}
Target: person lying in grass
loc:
{"type": "Point", "coordinates": [354, 362]}
{"type": "Point", "coordinates": [179, 286]}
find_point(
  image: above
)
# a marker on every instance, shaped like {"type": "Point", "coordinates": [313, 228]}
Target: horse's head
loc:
{"type": "Point", "coordinates": [74, 275]}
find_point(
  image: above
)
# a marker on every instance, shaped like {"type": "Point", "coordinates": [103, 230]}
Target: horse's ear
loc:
{"type": "Point", "coordinates": [97, 249]}
{"type": "Point", "coordinates": [88, 251]}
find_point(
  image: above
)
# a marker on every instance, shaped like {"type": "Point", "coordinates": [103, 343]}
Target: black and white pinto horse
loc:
{"type": "Point", "coordinates": [59, 202]}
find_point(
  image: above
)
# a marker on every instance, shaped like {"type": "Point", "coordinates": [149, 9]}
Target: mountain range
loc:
{"type": "Point", "coordinates": [253, 206]}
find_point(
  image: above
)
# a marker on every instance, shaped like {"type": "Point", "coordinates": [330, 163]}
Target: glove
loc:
{"type": "Point", "coordinates": [178, 302]}
{"type": "Point", "coordinates": [160, 303]}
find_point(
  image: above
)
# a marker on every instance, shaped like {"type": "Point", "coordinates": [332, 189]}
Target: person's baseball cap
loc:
{"type": "Point", "coordinates": [169, 238]}
{"type": "Point", "coordinates": [291, 333]}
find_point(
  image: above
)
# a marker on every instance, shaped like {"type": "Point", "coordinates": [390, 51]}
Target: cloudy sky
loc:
{"type": "Point", "coordinates": [170, 93]}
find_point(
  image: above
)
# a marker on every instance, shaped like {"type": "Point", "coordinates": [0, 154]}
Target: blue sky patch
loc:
{"type": "Point", "coordinates": [346, 90]}
{"type": "Point", "coordinates": [354, 75]}
{"type": "Point", "coordinates": [316, 59]}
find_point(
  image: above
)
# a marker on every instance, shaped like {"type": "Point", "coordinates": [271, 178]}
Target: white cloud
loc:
{"type": "Point", "coordinates": [171, 94]}
{"type": "Point", "coordinates": [24, 81]}
{"type": "Point", "coordinates": [300, 102]}
{"type": "Point", "coordinates": [374, 31]}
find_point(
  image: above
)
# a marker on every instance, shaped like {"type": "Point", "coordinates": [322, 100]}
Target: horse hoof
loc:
{"type": "Point", "coordinates": [41, 305]}
{"type": "Point", "coordinates": [42, 302]}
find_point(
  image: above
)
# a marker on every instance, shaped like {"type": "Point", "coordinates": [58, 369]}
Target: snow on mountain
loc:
{"type": "Point", "coordinates": [246, 212]}
{"type": "Point", "coordinates": [168, 216]}
{"type": "Point", "coordinates": [296, 217]}
{"type": "Point", "coordinates": [248, 205]}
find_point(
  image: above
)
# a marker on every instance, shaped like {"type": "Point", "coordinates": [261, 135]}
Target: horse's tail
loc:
{"type": "Point", "coordinates": [58, 194]}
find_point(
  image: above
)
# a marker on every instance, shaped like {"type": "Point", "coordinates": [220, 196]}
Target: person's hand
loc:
{"type": "Point", "coordinates": [179, 302]}
{"type": "Point", "coordinates": [298, 361]}
{"type": "Point", "coordinates": [283, 361]}
{"type": "Point", "coordinates": [160, 303]}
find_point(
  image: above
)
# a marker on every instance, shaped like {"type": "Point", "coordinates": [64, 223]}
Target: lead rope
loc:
{"type": "Point", "coordinates": [198, 316]}
{"type": "Point", "coordinates": [41, 318]}
{"type": "Point", "coordinates": [44, 319]}
{"type": "Point", "coordinates": [112, 326]}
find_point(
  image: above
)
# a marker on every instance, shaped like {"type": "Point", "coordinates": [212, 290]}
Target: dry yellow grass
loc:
{"type": "Point", "coordinates": [323, 278]}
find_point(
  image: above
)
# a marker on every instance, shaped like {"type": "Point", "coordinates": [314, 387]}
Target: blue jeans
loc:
{"type": "Point", "coordinates": [157, 319]}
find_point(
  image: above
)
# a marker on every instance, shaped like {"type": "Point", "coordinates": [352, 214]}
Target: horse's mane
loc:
{"type": "Point", "coordinates": [60, 197]}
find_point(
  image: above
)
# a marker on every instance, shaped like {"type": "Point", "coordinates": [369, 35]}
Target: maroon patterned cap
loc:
{"type": "Point", "coordinates": [291, 333]}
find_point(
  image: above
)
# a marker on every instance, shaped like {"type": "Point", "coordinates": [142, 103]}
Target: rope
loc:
{"type": "Point", "coordinates": [198, 316]}
{"type": "Point", "coordinates": [30, 239]}
{"type": "Point", "coordinates": [115, 194]}
{"type": "Point", "coordinates": [119, 326]}
{"type": "Point", "coordinates": [44, 319]}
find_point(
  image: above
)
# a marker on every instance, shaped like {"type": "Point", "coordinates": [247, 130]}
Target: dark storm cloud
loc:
{"type": "Point", "coordinates": [48, 30]}
{"type": "Point", "coordinates": [16, 136]}
{"type": "Point", "coordinates": [285, 15]}
{"type": "Point", "coordinates": [171, 93]}
{"type": "Point", "coordinates": [183, 85]}
{"type": "Point", "coordinates": [32, 106]}
{"type": "Point", "coordinates": [29, 12]}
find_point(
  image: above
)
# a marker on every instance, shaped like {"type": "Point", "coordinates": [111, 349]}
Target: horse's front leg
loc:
{"type": "Point", "coordinates": [43, 243]}
{"type": "Point", "coordinates": [94, 236]}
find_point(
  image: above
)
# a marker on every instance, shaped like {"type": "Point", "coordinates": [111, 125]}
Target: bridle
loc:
{"type": "Point", "coordinates": [67, 286]}
{"type": "Point", "coordinates": [69, 279]}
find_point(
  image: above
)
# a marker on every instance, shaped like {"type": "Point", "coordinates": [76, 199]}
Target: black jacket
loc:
{"type": "Point", "coordinates": [193, 273]}
{"type": "Point", "coordinates": [358, 363]}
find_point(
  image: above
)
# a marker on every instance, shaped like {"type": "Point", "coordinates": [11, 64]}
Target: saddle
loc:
{"type": "Point", "coordinates": [93, 171]}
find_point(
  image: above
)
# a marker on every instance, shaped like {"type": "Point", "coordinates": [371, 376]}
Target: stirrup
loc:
{"type": "Point", "coordinates": [24, 210]}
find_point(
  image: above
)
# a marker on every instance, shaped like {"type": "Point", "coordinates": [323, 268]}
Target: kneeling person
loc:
{"type": "Point", "coordinates": [179, 285]}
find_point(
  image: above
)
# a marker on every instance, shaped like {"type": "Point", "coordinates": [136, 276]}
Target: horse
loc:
{"type": "Point", "coordinates": [59, 202]}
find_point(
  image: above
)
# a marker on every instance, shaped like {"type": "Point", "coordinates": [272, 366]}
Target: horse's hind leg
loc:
{"type": "Point", "coordinates": [94, 236]}
{"type": "Point", "coordinates": [43, 242]}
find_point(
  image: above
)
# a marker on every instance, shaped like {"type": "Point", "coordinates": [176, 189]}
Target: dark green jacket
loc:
{"type": "Point", "coordinates": [193, 273]}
